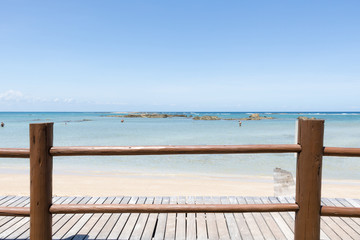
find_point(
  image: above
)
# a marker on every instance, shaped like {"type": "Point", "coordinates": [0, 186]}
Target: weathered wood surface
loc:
{"type": "Point", "coordinates": [166, 150]}
{"type": "Point", "coordinates": [89, 226]}
{"type": "Point", "coordinates": [180, 207]}
{"type": "Point", "coordinates": [341, 151]}
{"type": "Point", "coordinates": [14, 152]}
{"type": "Point", "coordinates": [308, 179]}
{"type": "Point", "coordinates": [61, 151]}
{"type": "Point", "coordinates": [41, 170]}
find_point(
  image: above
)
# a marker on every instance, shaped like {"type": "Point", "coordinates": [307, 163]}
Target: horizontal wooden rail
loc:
{"type": "Point", "coordinates": [14, 153]}
{"type": "Point", "coordinates": [343, 152]}
{"type": "Point", "coordinates": [15, 211]}
{"type": "Point", "coordinates": [340, 211]}
{"type": "Point", "coordinates": [166, 150]}
{"type": "Point", "coordinates": [170, 208]}
{"type": "Point", "coordinates": [163, 150]}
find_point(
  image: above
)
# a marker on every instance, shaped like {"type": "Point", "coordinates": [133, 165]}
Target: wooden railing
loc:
{"type": "Point", "coordinates": [307, 206]}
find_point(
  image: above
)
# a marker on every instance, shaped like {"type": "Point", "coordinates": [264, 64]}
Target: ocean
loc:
{"type": "Point", "coordinates": [98, 129]}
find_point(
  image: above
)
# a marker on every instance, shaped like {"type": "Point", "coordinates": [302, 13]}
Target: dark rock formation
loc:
{"type": "Point", "coordinates": [206, 118]}
{"type": "Point", "coordinates": [305, 118]}
{"type": "Point", "coordinates": [256, 116]}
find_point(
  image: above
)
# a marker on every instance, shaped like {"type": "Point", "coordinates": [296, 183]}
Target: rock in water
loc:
{"type": "Point", "coordinates": [284, 184]}
{"type": "Point", "coordinates": [305, 118]}
{"type": "Point", "coordinates": [207, 118]}
{"type": "Point", "coordinates": [255, 116]}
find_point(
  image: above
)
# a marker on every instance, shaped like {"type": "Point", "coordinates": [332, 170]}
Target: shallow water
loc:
{"type": "Point", "coordinates": [93, 129]}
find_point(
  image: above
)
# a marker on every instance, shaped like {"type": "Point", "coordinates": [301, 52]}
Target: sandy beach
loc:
{"type": "Point", "coordinates": [166, 185]}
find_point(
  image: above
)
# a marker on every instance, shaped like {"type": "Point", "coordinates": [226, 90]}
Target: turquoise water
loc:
{"type": "Point", "coordinates": [93, 129]}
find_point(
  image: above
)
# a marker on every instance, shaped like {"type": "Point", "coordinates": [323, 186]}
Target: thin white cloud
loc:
{"type": "Point", "coordinates": [11, 95]}
{"type": "Point", "coordinates": [14, 96]}
{"type": "Point", "coordinates": [68, 100]}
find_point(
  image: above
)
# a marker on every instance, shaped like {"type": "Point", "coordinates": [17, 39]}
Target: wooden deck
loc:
{"type": "Point", "coordinates": [177, 226]}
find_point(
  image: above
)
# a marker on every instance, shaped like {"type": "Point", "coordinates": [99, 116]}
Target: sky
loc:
{"type": "Point", "coordinates": [184, 55]}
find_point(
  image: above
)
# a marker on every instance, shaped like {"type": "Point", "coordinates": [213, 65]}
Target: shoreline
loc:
{"type": "Point", "coordinates": [166, 185]}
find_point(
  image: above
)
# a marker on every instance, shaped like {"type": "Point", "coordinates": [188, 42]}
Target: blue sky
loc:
{"type": "Point", "coordinates": [179, 55]}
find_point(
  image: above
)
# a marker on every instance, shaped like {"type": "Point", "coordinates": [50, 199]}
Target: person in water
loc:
{"type": "Point", "coordinates": [239, 123]}
{"type": "Point", "coordinates": [2, 124]}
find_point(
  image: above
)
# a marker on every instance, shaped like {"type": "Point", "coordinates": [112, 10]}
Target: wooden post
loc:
{"type": "Point", "coordinates": [41, 167]}
{"type": "Point", "coordinates": [308, 179]}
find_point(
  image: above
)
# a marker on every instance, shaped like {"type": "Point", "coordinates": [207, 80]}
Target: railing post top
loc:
{"type": "Point", "coordinates": [310, 120]}
{"type": "Point", "coordinates": [39, 124]}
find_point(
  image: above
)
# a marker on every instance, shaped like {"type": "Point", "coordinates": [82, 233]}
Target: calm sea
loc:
{"type": "Point", "coordinates": [95, 129]}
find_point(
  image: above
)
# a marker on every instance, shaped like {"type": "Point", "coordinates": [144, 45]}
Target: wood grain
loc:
{"type": "Point", "coordinates": [14, 153]}
{"type": "Point", "coordinates": [169, 150]}
{"type": "Point", "coordinates": [343, 152]}
{"type": "Point", "coordinates": [308, 179]}
{"type": "Point", "coordinates": [171, 208]}
{"type": "Point", "coordinates": [41, 168]}
{"type": "Point", "coordinates": [340, 211]}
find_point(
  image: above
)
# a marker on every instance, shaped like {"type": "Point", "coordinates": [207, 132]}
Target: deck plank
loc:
{"type": "Point", "coordinates": [241, 222]}
{"type": "Point", "coordinates": [103, 218]}
{"type": "Point", "coordinates": [8, 222]}
{"type": "Point", "coordinates": [100, 224]}
{"type": "Point", "coordinates": [183, 226]}
{"type": "Point", "coordinates": [270, 222]}
{"type": "Point", "coordinates": [335, 228]}
{"type": "Point", "coordinates": [88, 226]}
{"type": "Point", "coordinates": [14, 202]}
{"type": "Point", "coordinates": [201, 230]}
{"type": "Point", "coordinates": [190, 221]}
{"type": "Point", "coordinates": [261, 221]}
{"type": "Point", "coordinates": [161, 222]}
{"type": "Point", "coordinates": [105, 231]}
{"type": "Point", "coordinates": [23, 225]}
{"type": "Point", "coordinates": [67, 222]}
{"type": "Point", "coordinates": [289, 217]}
{"type": "Point", "coordinates": [66, 200]}
{"type": "Point", "coordinates": [353, 202]}
{"type": "Point", "coordinates": [323, 235]}
{"type": "Point", "coordinates": [211, 222]}
{"type": "Point", "coordinates": [130, 224]}
{"type": "Point", "coordinates": [15, 223]}
{"type": "Point", "coordinates": [23, 230]}
{"type": "Point", "coordinates": [171, 222]}
{"type": "Point", "coordinates": [345, 203]}
{"type": "Point", "coordinates": [231, 222]}
{"type": "Point", "coordinates": [221, 221]}
{"type": "Point", "coordinates": [181, 222]}
{"type": "Point", "coordinates": [285, 229]}
{"type": "Point", "coordinates": [58, 227]}
{"type": "Point", "coordinates": [26, 234]}
{"type": "Point", "coordinates": [119, 225]}
{"type": "Point", "coordinates": [5, 199]}
{"type": "Point", "coordinates": [141, 222]}
{"type": "Point", "coordinates": [342, 222]}
{"type": "Point", "coordinates": [254, 228]}
{"type": "Point", "coordinates": [79, 220]}
{"type": "Point", "coordinates": [151, 222]}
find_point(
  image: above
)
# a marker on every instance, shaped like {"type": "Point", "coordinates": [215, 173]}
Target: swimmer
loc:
{"type": "Point", "coordinates": [2, 124]}
{"type": "Point", "coordinates": [122, 120]}
{"type": "Point", "coordinates": [239, 123]}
